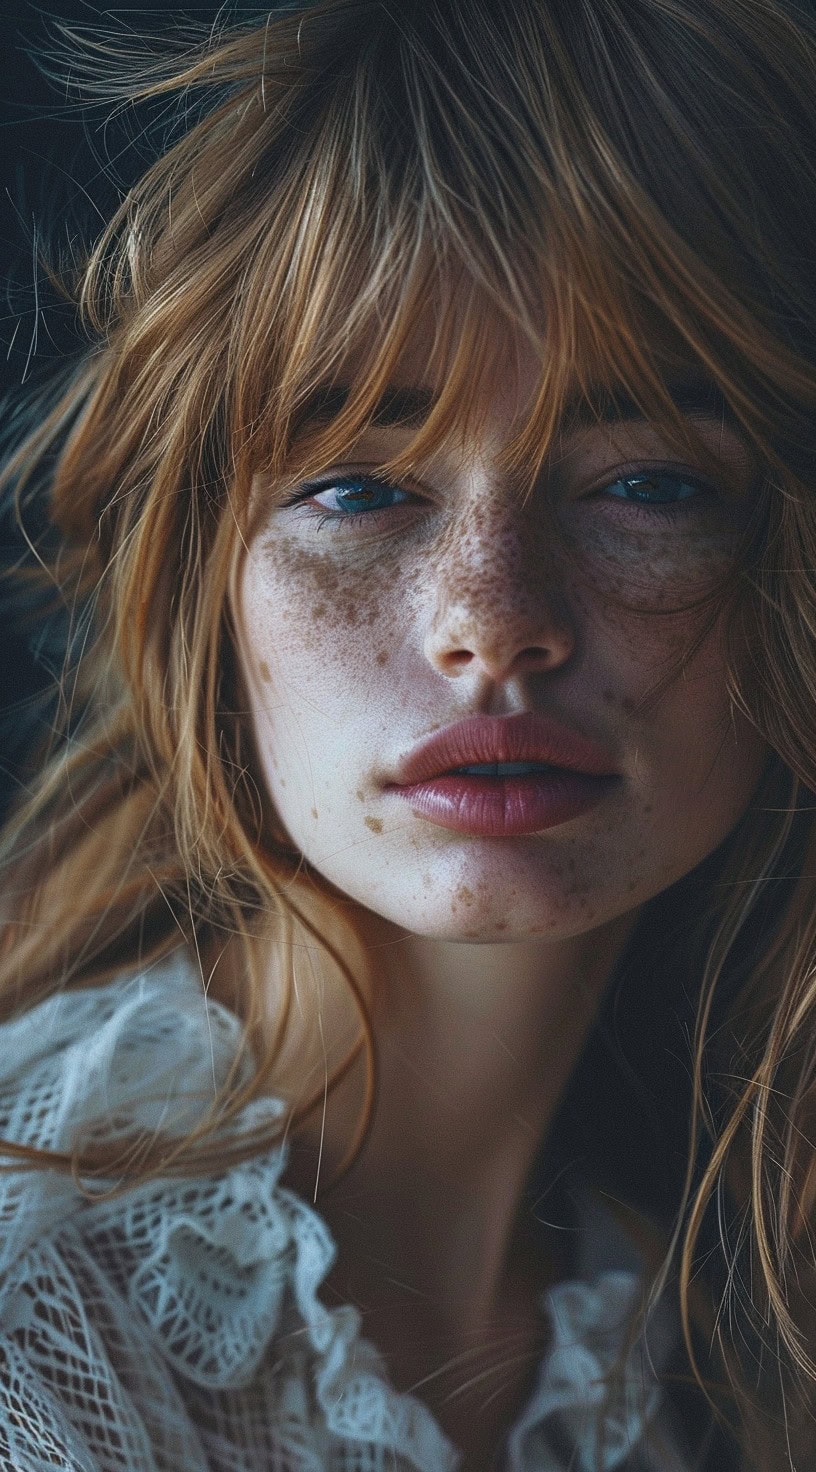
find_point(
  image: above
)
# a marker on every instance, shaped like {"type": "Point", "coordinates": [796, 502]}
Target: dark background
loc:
{"type": "Point", "coordinates": [64, 166]}
{"type": "Point", "coordinates": [63, 163]}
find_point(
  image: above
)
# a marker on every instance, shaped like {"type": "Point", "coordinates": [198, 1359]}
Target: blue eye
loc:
{"type": "Point", "coordinates": [657, 488]}
{"type": "Point", "coordinates": [355, 494]}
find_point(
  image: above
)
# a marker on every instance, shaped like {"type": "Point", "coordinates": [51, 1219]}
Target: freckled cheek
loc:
{"type": "Point", "coordinates": [313, 655]}
{"type": "Point", "coordinates": [660, 569]}
{"type": "Point", "coordinates": [627, 647]}
{"type": "Point", "coordinates": [691, 761]}
{"type": "Point", "coordinates": [306, 605]}
{"type": "Point", "coordinates": [662, 677]}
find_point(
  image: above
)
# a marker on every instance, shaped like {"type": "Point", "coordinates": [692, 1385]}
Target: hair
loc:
{"type": "Point", "coordinates": [625, 186]}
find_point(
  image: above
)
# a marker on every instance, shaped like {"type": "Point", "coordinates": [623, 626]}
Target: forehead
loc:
{"type": "Point", "coordinates": [506, 378]}
{"type": "Point", "coordinates": [406, 403]}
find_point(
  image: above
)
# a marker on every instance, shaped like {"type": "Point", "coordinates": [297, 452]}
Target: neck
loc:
{"type": "Point", "coordinates": [475, 1046]}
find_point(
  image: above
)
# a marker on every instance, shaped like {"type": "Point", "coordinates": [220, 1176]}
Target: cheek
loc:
{"type": "Point", "coordinates": [665, 568]}
{"type": "Point", "coordinates": [693, 759]}
{"type": "Point", "coordinates": [658, 670]}
{"type": "Point", "coordinates": [312, 644]}
{"type": "Point", "coordinates": [308, 606]}
{"type": "Point", "coordinates": [650, 604]}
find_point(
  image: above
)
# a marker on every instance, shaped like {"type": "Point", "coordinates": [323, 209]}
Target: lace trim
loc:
{"type": "Point", "coordinates": [223, 1274]}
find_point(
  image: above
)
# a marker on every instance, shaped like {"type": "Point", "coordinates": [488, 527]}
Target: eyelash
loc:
{"type": "Point", "coordinates": [666, 509]}
{"type": "Point", "coordinates": [341, 483]}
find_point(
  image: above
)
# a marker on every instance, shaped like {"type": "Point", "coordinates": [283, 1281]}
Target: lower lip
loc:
{"type": "Point", "coordinates": [499, 807]}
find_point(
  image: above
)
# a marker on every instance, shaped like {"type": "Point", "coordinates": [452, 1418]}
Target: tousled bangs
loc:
{"type": "Point", "coordinates": [418, 220]}
{"type": "Point", "coordinates": [445, 194]}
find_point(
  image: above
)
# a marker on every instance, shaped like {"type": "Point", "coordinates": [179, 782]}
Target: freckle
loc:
{"type": "Point", "coordinates": [265, 672]}
{"type": "Point", "coordinates": [359, 795]}
{"type": "Point", "coordinates": [628, 704]}
{"type": "Point", "coordinates": [375, 824]}
{"type": "Point", "coordinates": [283, 781]}
{"type": "Point", "coordinates": [502, 925]}
{"type": "Point", "coordinates": [632, 885]}
{"type": "Point", "coordinates": [647, 807]}
{"type": "Point", "coordinates": [465, 895]}
{"type": "Point", "coordinates": [571, 865]}
{"type": "Point", "coordinates": [607, 697]}
{"type": "Point", "coordinates": [314, 812]}
{"type": "Point", "coordinates": [319, 610]}
{"type": "Point", "coordinates": [382, 657]}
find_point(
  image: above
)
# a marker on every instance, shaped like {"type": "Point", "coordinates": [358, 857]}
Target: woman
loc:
{"type": "Point", "coordinates": [435, 514]}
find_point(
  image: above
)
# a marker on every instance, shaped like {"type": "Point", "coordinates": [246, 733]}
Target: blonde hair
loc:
{"type": "Point", "coordinates": [626, 185]}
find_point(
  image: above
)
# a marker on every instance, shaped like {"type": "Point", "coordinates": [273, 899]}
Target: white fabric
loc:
{"type": "Point", "coordinates": [178, 1327]}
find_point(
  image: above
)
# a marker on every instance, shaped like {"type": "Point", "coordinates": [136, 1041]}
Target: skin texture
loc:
{"type": "Point", "coordinates": [361, 638]}
{"type": "Point", "coordinates": [358, 639]}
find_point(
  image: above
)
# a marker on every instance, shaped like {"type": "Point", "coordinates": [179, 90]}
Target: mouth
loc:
{"type": "Point", "coordinates": [505, 799]}
{"type": "Point", "coordinates": [499, 746]}
{"type": "Point", "coordinates": [501, 769]}
{"type": "Point", "coordinates": [504, 775]}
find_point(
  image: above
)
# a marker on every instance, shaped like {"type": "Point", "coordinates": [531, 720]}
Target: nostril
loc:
{"type": "Point", "coordinates": [463, 637]}
{"type": "Point", "coordinates": [535, 651]}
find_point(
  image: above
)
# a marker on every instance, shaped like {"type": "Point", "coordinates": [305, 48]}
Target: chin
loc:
{"type": "Point", "coordinates": [462, 915]}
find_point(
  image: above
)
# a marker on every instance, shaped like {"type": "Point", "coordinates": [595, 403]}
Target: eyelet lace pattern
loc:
{"type": "Point", "coordinates": [178, 1327]}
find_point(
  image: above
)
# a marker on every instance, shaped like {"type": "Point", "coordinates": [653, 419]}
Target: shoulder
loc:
{"type": "Point", "coordinates": [146, 1006]}
{"type": "Point", "coordinates": [112, 1291]}
{"type": "Point", "coordinates": [146, 1052]}
{"type": "Point", "coordinates": [177, 1325]}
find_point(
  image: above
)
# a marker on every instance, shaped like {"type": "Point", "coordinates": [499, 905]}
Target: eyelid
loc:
{"type": "Point", "coordinates": [642, 468]}
{"type": "Point", "coordinates": [599, 483]}
{"type": "Point", "coordinates": [334, 479]}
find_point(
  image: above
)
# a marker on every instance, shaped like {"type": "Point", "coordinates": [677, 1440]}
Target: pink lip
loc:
{"type": "Point", "coordinates": [521, 738]}
{"type": "Point", "coordinates": [503, 806]}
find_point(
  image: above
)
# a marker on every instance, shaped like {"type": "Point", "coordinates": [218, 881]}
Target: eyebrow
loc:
{"type": "Point", "coordinates": [694, 396]}
{"type": "Point", "coordinates": [396, 406]}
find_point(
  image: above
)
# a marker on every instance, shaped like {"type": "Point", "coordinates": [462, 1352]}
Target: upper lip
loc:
{"type": "Point", "coordinates": [480, 740]}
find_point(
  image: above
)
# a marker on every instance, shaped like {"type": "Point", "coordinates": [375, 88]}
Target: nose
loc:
{"type": "Point", "coordinates": [500, 608]}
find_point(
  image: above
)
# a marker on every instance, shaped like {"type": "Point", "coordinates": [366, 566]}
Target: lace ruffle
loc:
{"type": "Point", "coordinates": [218, 1280]}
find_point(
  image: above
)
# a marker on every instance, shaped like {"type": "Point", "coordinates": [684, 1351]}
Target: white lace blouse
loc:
{"type": "Point", "coordinates": [179, 1327]}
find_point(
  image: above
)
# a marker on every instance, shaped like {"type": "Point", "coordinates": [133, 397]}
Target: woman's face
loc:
{"type": "Point", "coordinates": [372, 614]}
